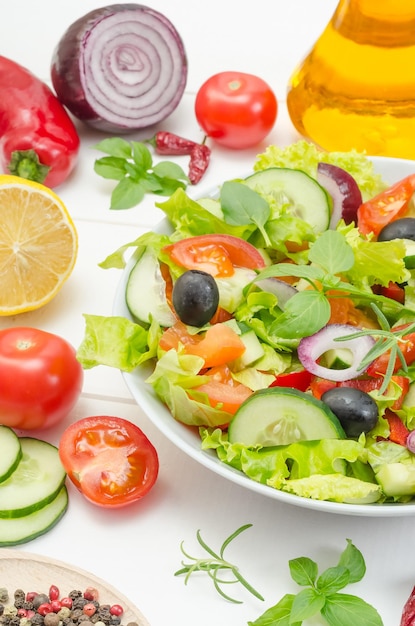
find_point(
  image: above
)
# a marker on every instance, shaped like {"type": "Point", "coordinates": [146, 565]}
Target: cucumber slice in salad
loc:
{"type": "Point", "coordinates": [35, 482]}
{"type": "Point", "coordinates": [308, 199]}
{"type": "Point", "coordinates": [11, 452]}
{"type": "Point", "coordinates": [281, 415]}
{"type": "Point", "coordinates": [23, 529]}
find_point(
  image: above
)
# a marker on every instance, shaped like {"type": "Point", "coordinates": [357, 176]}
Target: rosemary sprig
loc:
{"type": "Point", "coordinates": [387, 340]}
{"type": "Point", "coordinates": [216, 563]}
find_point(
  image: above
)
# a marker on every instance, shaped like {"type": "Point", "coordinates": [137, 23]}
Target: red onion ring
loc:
{"type": "Point", "coordinates": [311, 348]}
{"type": "Point", "coordinates": [120, 68]}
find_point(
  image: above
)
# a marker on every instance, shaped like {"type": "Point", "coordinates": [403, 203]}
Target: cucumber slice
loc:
{"type": "Point", "coordinates": [253, 351]}
{"type": "Point", "coordinates": [145, 294]}
{"type": "Point", "coordinates": [23, 529]}
{"type": "Point", "coordinates": [11, 452]}
{"type": "Point", "coordinates": [397, 479]}
{"type": "Point", "coordinates": [280, 416]}
{"type": "Point", "coordinates": [337, 359]}
{"type": "Point", "coordinates": [35, 482]}
{"type": "Point", "coordinates": [308, 199]}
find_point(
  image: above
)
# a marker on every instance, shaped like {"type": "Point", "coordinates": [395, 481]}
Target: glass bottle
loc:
{"type": "Point", "coordinates": [356, 88]}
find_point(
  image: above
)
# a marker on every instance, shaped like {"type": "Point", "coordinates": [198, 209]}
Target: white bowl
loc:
{"type": "Point", "coordinates": [188, 440]}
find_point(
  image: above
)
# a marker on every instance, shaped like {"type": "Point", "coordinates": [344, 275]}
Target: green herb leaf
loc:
{"type": "Point", "coordinates": [332, 252]}
{"type": "Point", "coordinates": [215, 564]}
{"type": "Point", "coordinates": [304, 571]}
{"type": "Point", "coordinates": [333, 579]}
{"type": "Point", "coordinates": [304, 314]}
{"type": "Point", "coordinates": [242, 205]}
{"type": "Point", "coordinates": [353, 560]}
{"type": "Point", "coordinates": [131, 164]}
{"type": "Point", "coordinates": [343, 609]}
{"type": "Point", "coordinates": [278, 615]}
{"type": "Point", "coordinates": [306, 604]}
{"type": "Point", "coordinates": [126, 194]}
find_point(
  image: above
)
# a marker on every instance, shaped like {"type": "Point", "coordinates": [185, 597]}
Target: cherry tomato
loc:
{"type": "Point", "coordinates": [387, 206]}
{"type": "Point", "coordinates": [237, 110]}
{"type": "Point", "coordinates": [109, 459]}
{"type": "Point", "coordinates": [40, 378]}
{"type": "Point", "coordinates": [216, 254]}
{"type": "Point", "coordinates": [407, 346]}
{"type": "Point", "coordinates": [217, 346]}
{"type": "Point", "coordinates": [223, 391]}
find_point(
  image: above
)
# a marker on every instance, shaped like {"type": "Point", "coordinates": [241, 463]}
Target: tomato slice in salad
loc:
{"type": "Point", "coordinates": [217, 346]}
{"type": "Point", "coordinates": [319, 386]}
{"type": "Point", "coordinates": [109, 459]}
{"type": "Point", "coordinates": [216, 254]}
{"type": "Point", "coordinates": [387, 206]}
{"type": "Point", "coordinates": [223, 391]}
{"type": "Point", "coordinates": [407, 346]}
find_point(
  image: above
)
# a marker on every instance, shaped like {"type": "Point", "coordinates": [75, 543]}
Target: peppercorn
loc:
{"type": "Point", "coordinates": [40, 598]}
{"type": "Point", "coordinates": [79, 603]}
{"type": "Point", "coordinates": [51, 619]}
{"type": "Point", "coordinates": [37, 620]}
{"type": "Point", "coordinates": [4, 595]}
{"type": "Point", "coordinates": [75, 593]}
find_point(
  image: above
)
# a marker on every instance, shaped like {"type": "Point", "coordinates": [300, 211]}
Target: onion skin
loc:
{"type": "Point", "coordinates": [139, 83]}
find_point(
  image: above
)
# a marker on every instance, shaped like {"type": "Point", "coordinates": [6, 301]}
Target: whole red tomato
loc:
{"type": "Point", "coordinates": [40, 378]}
{"type": "Point", "coordinates": [109, 459]}
{"type": "Point", "coordinates": [236, 109]}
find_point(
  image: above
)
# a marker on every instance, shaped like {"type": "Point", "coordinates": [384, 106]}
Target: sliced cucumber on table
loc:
{"type": "Point", "coordinates": [11, 452]}
{"type": "Point", "coordinates": [35, 482]}
{"type": "Point", "coordinates": [280, 416]}
{"type": "Point", "coordinates": [14, 531]}
{"type": "Point", "coordinates": [308, 199]}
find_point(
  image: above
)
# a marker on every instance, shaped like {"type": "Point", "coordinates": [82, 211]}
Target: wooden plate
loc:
{"type": "Point", "coordinates": [31, 572]}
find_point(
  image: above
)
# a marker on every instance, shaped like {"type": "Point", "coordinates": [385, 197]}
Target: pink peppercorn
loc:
{"type": "Point", "coordinates": [91, 593]}
{"type": "Point", "coordinates": [116, 609]}
{"type": "Point", "coordinates": [45, 608]}
{"type": "Point", "coordinates": [66, 602]}
{"type": "Point", "coordinates": [53, 593]}
{"type": "Point", "coordinates": [22, 612]}
{"type": "Point", "coordinates": [30, 595]}
{"type": "Point", "coordinates": [56, 605]}
{"type": "Point", "coordinates": [89, 609]}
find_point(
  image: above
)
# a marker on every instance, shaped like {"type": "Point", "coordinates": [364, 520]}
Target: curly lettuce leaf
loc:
{"type": "Point", "coordinates": [305, 156]}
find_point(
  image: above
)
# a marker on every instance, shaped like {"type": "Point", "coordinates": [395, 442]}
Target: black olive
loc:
{"type": "Point", "coordinates": [403, 228]}
{"type": "Point", "coordinates": [356, 410]}
{"type": "Point", "coordinates": [195, 297]}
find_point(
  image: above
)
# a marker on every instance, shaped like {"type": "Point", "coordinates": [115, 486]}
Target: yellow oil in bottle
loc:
{"type": "Point", "coordinates": [356, 88]}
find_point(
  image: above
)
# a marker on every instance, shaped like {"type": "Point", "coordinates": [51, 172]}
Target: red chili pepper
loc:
{"type": "Point", "coordinates": [408, 613]}
{"type": "Point", "coordinates": [199, 162]}
{"type": "Point", "coordinates": [38, 139]}
{"type": "Point", "coordinates": [169, 143]}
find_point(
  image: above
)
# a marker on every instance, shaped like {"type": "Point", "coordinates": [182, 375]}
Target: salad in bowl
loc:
{"type": "Point", "coordinates": [272, 324]}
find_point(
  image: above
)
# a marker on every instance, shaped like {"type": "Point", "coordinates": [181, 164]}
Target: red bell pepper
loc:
{"type": "Point", "coordinates": [38, 139]}
{"type": "Point", "coordinates": [398, 431]}
{"type": "Point", "coordinates": [298, 380]}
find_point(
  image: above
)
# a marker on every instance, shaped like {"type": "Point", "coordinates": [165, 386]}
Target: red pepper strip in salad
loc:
{"type": "Point", "coordinates": [38, 139]}
{"type": "Point", "coordinates": [398, 431]}
{"type": "Point", "coordinates": [298, 380]}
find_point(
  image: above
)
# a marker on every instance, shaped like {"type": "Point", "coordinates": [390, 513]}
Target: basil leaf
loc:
{"type": "Point", "coordinates": [332, 252]}
{"type": "Point", "coordinates": [126, 194]}
{"type": "Point", "coordinates": [110, 167]}
{"type": "Point", "coordinates": [343, 609]}
{"type": "Point", "coordinates": [333, 579]}
{"type": "Point", "coordinates": [308, 272]}
{"type": "Point", "coordinates": [168, 169]}
{"type": "Point", "coordinates": [277, 615]}
{"type": "Point", "coordinates": [304, 314]}
{"type": "Point", "coordinates": [115, 147]}
{"type": "Point", "coordinates": [353, 559]}
{"type": "Point", "coordinates": [303, 570]}
{"type": "Point", "coordinates": [242, 205]}
{"type": "Point", "coordinates": [306, 604]}
{"type": "Point", "coordinates": [141, 155]}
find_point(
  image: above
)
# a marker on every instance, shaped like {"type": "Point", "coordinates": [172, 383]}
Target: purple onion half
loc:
{"type": "Point", "coordinates": [120, 68]}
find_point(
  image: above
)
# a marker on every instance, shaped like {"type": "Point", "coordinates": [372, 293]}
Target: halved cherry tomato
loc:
{"type": "Point", "coordinates": [217, 346]}
{"type": "Point", "coordinates": [223, 391]}
{"type": "Point", "coordinates": [298, 380]}
{"type": "Point", "coordinates": [318, 386]}
{"type": "Point", "coordinates": [109, 459]}
{"type": "Point", "coordinates": [344, 311]}
{"type": "Point", "coordinates": [387, 206]}
{"type": "Point", "coordinates": [392, 291]}
{"type": "Point", "coordinates": [215, 254]}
